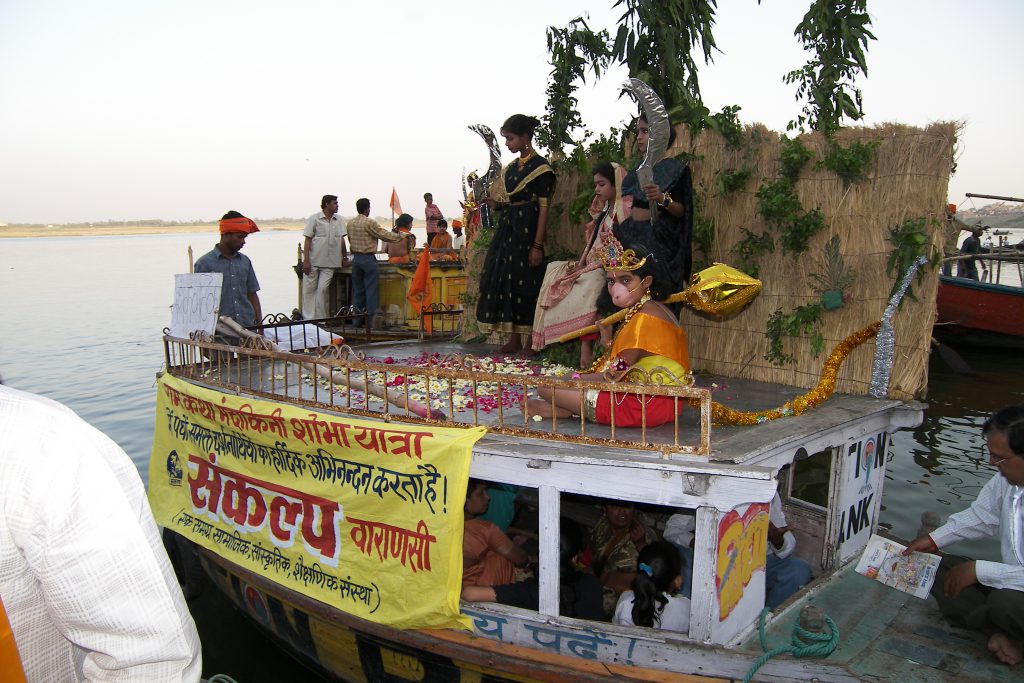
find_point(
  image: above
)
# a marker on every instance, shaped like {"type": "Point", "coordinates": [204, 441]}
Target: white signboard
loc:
{"type": "Point", "coordinates": [860, 496]}
{"type": "Point", "coordinates": [196, 303]}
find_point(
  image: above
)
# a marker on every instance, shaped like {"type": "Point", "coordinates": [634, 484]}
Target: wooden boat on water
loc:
{"type": "Point", "coordinates": [980, 313]}
{"type": "Point", "coordinates": [397, 318]}
{"type": "Point", "coordinates": [987, 312]}
{"type": "Point", "coordinates": [829, 465]}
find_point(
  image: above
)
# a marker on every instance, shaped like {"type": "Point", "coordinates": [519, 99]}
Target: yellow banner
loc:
{"type": "Point", "coordinates": [365, 516]}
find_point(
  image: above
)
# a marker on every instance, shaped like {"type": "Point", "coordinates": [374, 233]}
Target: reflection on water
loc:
{"type": "Point", "coordinates": [82, 319]}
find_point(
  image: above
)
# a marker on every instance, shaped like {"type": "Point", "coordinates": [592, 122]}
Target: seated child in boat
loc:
{"type": "Point", "coordinates": [489, 557]}
{"type": "Point", "coordinates": [579, 592]}
{"type": "Point", "coordinates": [649, 339]}
{"type": "Point", "coordinates": [653, 601]}
{"type": "Point", "coordinates": [616, 540]}
{"type": "Point", "coordinates": [398, 252]}
{"type": "Point", "coordinates": [441, 248]}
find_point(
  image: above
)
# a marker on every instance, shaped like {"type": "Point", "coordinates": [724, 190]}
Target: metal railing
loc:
{"type": "Point", "coordinates": [454, 391]}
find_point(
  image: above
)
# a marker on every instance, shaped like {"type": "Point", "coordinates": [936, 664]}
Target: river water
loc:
{"type": "Point", "coordinates": [82, 320]}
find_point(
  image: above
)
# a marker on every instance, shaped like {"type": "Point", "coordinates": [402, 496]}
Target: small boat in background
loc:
{"type": "Point", "coordinates": [988, 312]}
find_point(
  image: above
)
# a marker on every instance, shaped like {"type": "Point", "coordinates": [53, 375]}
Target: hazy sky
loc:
{"type": "Point", "coordinates": [184, 109]}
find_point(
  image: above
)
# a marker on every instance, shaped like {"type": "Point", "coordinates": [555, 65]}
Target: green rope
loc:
{"type": "Point", "coordinates": [804, 643]}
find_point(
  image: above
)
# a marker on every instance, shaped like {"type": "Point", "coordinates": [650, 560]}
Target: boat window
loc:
{"type": "Point", "coordinates": [809, 477]}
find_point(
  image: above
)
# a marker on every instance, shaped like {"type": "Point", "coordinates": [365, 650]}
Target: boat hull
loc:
{"type": "Point", "coordinates": [350, 649]}
{"type": "Point", "coordinates": [980, 314]}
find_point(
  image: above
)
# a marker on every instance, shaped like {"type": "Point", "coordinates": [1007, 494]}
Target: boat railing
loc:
{"type": "Point", "coordinates": [456, 390]}
{"type": "Point", "coordinates": [440, 320]}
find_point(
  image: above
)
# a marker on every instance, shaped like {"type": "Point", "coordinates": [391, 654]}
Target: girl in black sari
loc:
{"type": "Point", "coordinates": [514, 266]}
{"type": "Point", "coordinates": [670, 233]}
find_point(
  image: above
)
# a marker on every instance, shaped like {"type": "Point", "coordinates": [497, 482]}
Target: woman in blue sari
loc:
{"type": "Point", "coordinates": [669, 232]}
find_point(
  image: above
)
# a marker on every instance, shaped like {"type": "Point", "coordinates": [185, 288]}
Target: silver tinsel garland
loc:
{"type": "Point", "coordinates": [885, 343]}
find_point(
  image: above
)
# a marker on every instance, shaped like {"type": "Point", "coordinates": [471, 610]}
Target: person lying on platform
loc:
{"type": "Point", "coordinates": [989, 596]}
{"type": "Point", "coordinates": [616, 540]}
{"type": "Point", "coordinates": [649, 339]}
{"type": "Point", "coordinates": [398, 252]}
{"type": "Point", "coordinates": [579, 594]}
{"type": "Point", "coordinates": [652, 600]}
{"type": "Point", "coordinates": [489, 557]}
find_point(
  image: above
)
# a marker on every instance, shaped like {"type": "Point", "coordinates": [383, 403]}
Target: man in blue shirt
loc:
{"type": "Point", "coordinates": [238, 296]}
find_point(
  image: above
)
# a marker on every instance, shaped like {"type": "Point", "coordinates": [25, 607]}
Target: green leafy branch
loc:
{"type": "Point", "coordinates": [909, 240]}
{"type": "Point", "coordinates": [850, 163]}
{"type": "Point", "coordinates": [836, 34]}
{"type": "Point", "coordinates": [803, 320]}
{"type": "Point", "coordinates": [748, 251]}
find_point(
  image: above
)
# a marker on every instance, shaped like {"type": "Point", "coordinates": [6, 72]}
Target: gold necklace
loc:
{"type": "Point", "coordinates": [526, 157]}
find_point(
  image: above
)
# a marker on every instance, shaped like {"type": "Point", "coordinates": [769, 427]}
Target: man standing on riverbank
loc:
{"type": "Point", "coordinates": [238, 295]}
{"type": "Point", "coordinates": [989, 595]}
{"type": "Point", "coordinates": [86, 584]}
{"type": "Point", "coordinates": [323, 253]}
{"type": "Point", "coordinates": [363, 233]}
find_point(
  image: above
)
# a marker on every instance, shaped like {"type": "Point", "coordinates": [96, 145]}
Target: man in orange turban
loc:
{"type": "Point", "coordinates": [238, 294]}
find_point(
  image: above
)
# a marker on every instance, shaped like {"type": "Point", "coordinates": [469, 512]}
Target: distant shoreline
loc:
{"type": "Point", "coordinates": [117, 230]}
{"type": "Point", "coordinates": [104, 230]}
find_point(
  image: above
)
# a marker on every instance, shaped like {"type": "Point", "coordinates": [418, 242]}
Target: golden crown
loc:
{"type": "Point", "coordinates": [614, 258]}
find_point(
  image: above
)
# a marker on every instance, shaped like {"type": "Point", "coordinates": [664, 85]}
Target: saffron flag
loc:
{"type": "Point", "coordinates": [421, 291]}
{"type": "Point", "coordinates": [10, 661]}
{"type": "Point", "coordinates": [396, 205]}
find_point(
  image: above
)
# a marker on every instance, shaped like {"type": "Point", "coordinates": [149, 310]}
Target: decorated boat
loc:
{"type": "Point", "coordinates": [323, 489]}
{"type": "Point", "coordinates": [439, 315]}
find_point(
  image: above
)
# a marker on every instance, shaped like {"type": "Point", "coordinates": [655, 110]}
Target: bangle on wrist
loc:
{"type": "Point", "coordinates": [667, 200]}
{"type": "Point", "coordinates": [538, 246]}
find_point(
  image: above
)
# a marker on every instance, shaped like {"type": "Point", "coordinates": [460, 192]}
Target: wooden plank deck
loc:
{"type": "Point", "coordinates": [887, 635]}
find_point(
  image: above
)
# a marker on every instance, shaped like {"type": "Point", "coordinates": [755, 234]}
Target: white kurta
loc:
{"type": "Point", "coordinates": [998, 510]}
{"type": "Point", "coordinates": [84, 578]}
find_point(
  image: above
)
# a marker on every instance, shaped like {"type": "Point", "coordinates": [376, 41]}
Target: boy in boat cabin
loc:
{"type": "Point", "coordinates": [579, 594]}
{"type": "Point", "coordinates": [986, 595]}
{"type": "Point", "coordinates": [398, 252]}
{"type": "Point", "coordinates": [489, 557]}
{"type": "Point", "coordinates": [649, 339]}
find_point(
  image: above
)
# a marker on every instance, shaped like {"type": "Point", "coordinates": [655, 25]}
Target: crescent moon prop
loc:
{"type": "Point", "coordinates": [657, 119]}
{"type": "Point", "coordinates": [492, 148]}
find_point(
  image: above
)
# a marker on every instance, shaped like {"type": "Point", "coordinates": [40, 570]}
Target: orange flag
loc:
{"type": "Point", "coordinates": [396, 205]}
{"type": "Point", "coordinates": [421, 291]}
{"type": "Point", "coordinates": [10, 662]}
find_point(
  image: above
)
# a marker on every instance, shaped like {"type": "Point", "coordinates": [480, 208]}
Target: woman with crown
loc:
{"type": "Point", "coordinates": [650, 346]}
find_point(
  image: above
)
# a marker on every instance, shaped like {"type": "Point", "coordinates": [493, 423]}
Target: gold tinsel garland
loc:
{"type": "Point", "coordinates": [721, 415]}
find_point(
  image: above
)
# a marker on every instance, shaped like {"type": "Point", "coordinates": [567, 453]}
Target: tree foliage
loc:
{"type": "Point", "coordinates": [836, 34]}
{"type": "Point", "coordinates": [656, 40]}
{"type": "Point", "coordinates": [573, 49]}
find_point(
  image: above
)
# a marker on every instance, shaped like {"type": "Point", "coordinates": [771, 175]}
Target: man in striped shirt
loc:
{"type": "Point", "coordinates": [363, 236]}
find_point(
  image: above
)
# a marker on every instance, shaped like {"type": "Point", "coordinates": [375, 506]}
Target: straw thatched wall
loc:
{"type": "Point", "coordinates": [908, 180]}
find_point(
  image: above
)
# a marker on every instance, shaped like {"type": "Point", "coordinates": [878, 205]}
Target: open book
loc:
{"type": "Point", "coordinates": [882, 561]}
